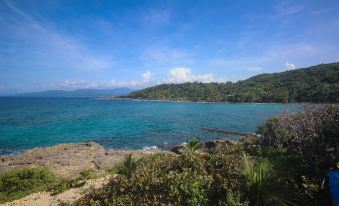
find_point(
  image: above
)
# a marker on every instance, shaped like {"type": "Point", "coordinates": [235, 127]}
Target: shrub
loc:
{"type": "Point", "coordinates": [307, 143]}
{"type": "Point", "coordinates": [167, 179]}
{"type": "Point", "coordinates": [18, 183]}
{"type": "Point", "coordinates": [311, 134]}
{"type": "Point", "coordinates": [234, 200]}
{"type": "Point", "coordinates": [193, 145]}
{"type": "Point", "coordinates": [127, 167]}
{"type": "Point", "coordinates": [263, 185]}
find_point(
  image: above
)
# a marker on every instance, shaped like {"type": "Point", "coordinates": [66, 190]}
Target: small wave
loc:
{"type": "Point", "coordinates": [149, 148]}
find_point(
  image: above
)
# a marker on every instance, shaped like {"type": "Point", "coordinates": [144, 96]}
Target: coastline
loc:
{"type": "Point", "coordinates": [68, 160]}
{"type": "Point", "coordinates": [198, 102]}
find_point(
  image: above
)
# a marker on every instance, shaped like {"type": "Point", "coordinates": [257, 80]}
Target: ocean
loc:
{"type": "Point", "coordinates": [122, 124]}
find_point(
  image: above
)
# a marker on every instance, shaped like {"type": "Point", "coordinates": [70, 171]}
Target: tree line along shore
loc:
{"type": "Point", "coordinates": [318, 84]}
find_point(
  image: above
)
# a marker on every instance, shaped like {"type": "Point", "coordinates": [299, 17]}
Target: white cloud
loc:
{"type": "Point", "coordinates": [289, 66]}
{"type": "Point", "coordinates": [146, 76]}
{"type": "Point", "coordinates": [183, 74]}
{"type": "Point", "coordinates": [163, 56]}
{"type": "Point", "coordinates": [175, 75]}
{"type": "Point", "coordinates": [180, 74]}
{"type": "Point", "coordinates": [48, 45]}
{"type": "Point", "coordinates": [205, 78]}
{"type": "Point", "coordinates": [70, 84]}
{"type": "Point", "coordinates": [81, 84]}
{"type": "Point", "coordinates": [274, 56]}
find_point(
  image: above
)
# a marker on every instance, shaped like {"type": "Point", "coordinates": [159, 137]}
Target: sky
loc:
{"type": "Point", "coordinates": [68, 44]}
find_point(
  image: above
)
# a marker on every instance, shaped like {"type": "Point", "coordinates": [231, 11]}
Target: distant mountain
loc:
{"type": "Point", "coordinates": [314, 84]}
{"type": "Point", "coordinates": [80, 93]}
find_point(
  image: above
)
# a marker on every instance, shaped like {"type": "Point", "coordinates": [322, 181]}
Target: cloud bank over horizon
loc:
{"type": "Point", "coordinates": [71, 45]}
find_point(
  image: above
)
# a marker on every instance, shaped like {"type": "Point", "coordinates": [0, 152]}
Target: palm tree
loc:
{"type": "Point", "coordinates": [193, 145]}
{"type": "Point", "coordinates": [127, 167]}
{"type": "Point", "coordinates": [263, 185]}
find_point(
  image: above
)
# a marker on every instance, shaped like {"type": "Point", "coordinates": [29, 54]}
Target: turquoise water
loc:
{"type": "Point", "coordinates": [34, 122]}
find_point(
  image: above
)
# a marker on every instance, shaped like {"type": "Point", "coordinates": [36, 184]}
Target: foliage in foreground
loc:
{"type": "Point", "coordinates": [304, 147]}
{"type": "Point", "coordinates": [277, 168]}
{"type": "Point", "coordinates": [21, 182]}
{"type": "Point", "coordinates": [264, 185]}
{"type": "Point", "coordinates": [199, 178]}
{"type": "Point", "coordinates": [18, 183]}
{"type": "Point", "coordinates": [203, 177]}
{"type": "Point", "coordinates": [193, 145]}
{"type": "Point", "coordinates": [127, 167]}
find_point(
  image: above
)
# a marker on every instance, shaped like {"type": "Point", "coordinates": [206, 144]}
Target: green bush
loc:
{"type": "Point", "coordinates": [306, 143]}
{"type": "Point", "coordinates": [192, 178]}
{"type": "Point", "coordinates": [18, 183]}
{"type": "Point", "coordinates": [234, 200]}
{"type": "Point", "coordinates": [311, 134]}
{"type": "Point", "coordinates": [193, 145]}
{"type": "Point", "coordinates": [127, 167]}
{"type": "Point", "coordinates": [264, 186]}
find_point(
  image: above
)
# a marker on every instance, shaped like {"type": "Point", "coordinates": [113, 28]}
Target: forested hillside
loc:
{"type": "Point", "coordinates": [314, 84]}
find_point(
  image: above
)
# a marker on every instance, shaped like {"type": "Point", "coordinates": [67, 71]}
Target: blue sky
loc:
{"type": "Point", "coordinates": [106, 44]}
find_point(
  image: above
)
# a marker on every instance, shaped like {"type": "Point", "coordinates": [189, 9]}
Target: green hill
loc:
{"type": "Point", "coordinates": [314, 84]}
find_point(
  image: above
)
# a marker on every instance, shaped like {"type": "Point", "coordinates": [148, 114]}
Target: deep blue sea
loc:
{"type": "Point", "coordinates": [125, 124]}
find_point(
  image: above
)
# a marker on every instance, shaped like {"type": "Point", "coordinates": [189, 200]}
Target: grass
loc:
{"type": "Point", "coordinates": [127, 167]}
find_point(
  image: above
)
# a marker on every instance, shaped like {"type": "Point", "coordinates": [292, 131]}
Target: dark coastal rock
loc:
{"type": "Point", "coordinates": [228, 141]}
{"type": "Point", "coordinates": [210, 144]}
{"type": "Point", "coordinates": [214, 143]}
{"type": "Point", "coordinates": [179, 148]}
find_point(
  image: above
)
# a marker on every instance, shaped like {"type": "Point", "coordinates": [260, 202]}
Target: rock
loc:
{"type": "Point", "coordinates": [178, 149]}
{"type": "Point", "coordinates": [210, 144]}
{"type": "Point", "coordinates": [228, 141]}
{"type": "Point", "coordinates": [214, 143]}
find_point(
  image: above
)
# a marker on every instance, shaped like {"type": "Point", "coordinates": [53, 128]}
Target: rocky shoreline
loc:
{"type": "Point", "coordinates": [68, 160]}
